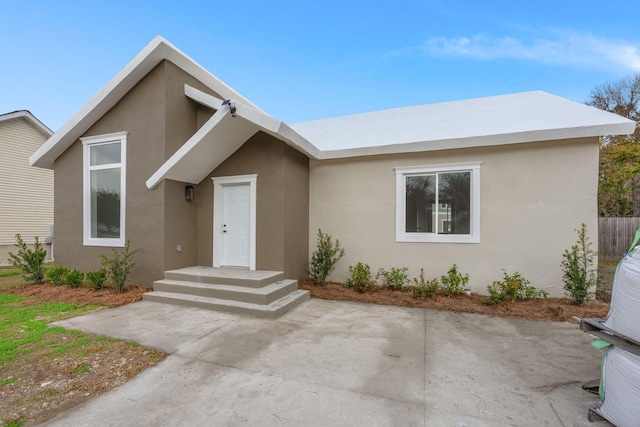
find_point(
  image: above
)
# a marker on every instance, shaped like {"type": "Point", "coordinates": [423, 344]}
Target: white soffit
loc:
{"type": "Point", "coordinates": [506, 119]}
{"type": "Point", "coordinates": [214, 142]}
{"type": "Point", "coordinates": [219, 138]}
{"type": "Point", "coordinates": [155, 52]}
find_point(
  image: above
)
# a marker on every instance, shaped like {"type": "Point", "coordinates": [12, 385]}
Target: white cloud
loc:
{"type": "Point", "coordinates": [559, 47]}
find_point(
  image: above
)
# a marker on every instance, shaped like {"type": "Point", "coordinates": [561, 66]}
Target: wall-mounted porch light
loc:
{"type": "Point", "coordinates": [189, 193]}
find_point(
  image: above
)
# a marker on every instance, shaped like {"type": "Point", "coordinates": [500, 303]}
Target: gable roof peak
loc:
{"type": "Point", "coordinates": [157, 50]}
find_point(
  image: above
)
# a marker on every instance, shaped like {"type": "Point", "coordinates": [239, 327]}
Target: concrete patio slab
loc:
{"type": "Point", "coordinates": [341, 363]}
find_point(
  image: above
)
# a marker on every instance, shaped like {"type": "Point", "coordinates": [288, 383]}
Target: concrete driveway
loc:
{"type": "Point", "coordinates": [331, 363]}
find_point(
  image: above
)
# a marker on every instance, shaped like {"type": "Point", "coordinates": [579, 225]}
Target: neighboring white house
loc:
{"type": "Point", "coordinates": [26, 193]}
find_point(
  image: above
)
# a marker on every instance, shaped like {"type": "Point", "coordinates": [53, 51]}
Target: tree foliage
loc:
{"type": "Point", "coordinates": [619, 179]}
{"type": "Point", "coordinates": [621, 97]}
{"type": "Point", "coordinates": [619, 176]}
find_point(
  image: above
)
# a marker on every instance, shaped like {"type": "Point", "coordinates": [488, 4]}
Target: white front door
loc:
{"type": "Point", "coordinates": [235, 224]}
{"type": "Point", "coordinates": [234, 221]}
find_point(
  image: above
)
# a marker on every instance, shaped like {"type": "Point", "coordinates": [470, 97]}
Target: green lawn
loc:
{"type": "Point", "coordinates": [24, 327]}
{"type": "Point", "coordinates": [10, 277]}
{"type": "Point", "coordinates": [27, 340]}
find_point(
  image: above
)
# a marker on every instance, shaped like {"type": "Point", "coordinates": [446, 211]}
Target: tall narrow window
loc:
{"type": "Point", "coordinates": [104, 189]}
{"type": "Point", "coordinates": [438, 203]}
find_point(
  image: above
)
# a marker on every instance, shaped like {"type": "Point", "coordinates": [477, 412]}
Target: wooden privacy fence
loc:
{"type": "Point", "coordinates": [615, 235]}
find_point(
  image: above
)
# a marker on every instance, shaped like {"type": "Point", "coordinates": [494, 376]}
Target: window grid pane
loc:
{"type": "Point", "coordinates": [105, 203]}
{"type": "Point", "coordinates": [445, 211]}
{"type": "Point", "coordinates": [105, 154]}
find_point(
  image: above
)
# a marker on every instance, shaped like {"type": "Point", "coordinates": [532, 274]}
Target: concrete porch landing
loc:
{"type": "Point", "coordinates": [259, 293]}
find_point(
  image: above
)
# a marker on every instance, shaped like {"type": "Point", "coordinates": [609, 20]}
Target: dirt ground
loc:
{"type": "Point", "coordinates": [47, 385]}
{"type": "Point", "coordinates": [550, 309]}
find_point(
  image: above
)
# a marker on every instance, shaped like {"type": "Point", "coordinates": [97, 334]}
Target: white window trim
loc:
{"type": "Point", "coordinates": [401, 188]}
{"type": "Point", "coordinates": [87, 142]}
{"type": "Point", "coordinates": [218, 182]}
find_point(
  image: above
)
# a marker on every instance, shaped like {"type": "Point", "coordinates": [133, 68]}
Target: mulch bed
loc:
{"type": "Point", "coordinates": [549, 309]}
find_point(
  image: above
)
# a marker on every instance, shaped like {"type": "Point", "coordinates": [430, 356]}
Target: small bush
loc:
{"type": "Point", "coordinates": [577, 266]}
{"type": "Point", "coordinates": [513, 288]}
{"type": "Point", "coordinates": [96, 279]}
{"type": "Point", "coordinates": [394, 278]}
{"type": "Point", "coordinates": [30, 262]}
{"type": "Point", "coordinates": [74, 278]}
{"type": "Point", "coordinates": [360, 279]}
{"type": "Point", "coordinates": [324, 258]}
{"type": "Point", "coordinates": [454, 282]}
{"type": "Point", "coordinates": [118, 266]}
{"type": "Point", "coordinates": [424, 288]}
{"type": "Point", "coordinates": [56, 275]}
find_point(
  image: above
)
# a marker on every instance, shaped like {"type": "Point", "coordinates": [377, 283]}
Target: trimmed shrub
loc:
{"type": "Point", "coordinates": [74, 278]}
{"type": "Point", "coordinates": [118, 266]}
{"type": "Point", "coordinates": [56, 275]}
{"type": "Point", "coordinates": [424, 288]}
{"type": "Point", "coordinates": [30, 262]}
{"type": "Point", "coordinates": [454, 282]}
{"type": "Point", "coordinates": [96, 279]}
{"type": "Point", "coordinates": [513, 288]}
{"type": "Point", "coordinates": [360, 278]}
{"type": "Point", "coordinates": [395, 278]}
{"type": "Point", "coordinates": [577, 266]}
{"type": "Point", "coordinates": [324, 258]}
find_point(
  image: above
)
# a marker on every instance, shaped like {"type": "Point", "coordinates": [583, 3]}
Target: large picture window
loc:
{"type": "Point", "coordinates": [104, 189]}
{"type": "Point", "coordinates": [438, 203]}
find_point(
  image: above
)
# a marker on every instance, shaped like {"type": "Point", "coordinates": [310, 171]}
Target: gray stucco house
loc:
{"type": "Point", "coordinates": [169, 157]}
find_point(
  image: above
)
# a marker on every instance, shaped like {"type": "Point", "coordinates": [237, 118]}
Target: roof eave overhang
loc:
{"type": "Point", "coordinates": [263, 121]}
{"type": "Point", "coordinates": [220, 137]}
{"type": "Point", "coordinates": [625, 127]}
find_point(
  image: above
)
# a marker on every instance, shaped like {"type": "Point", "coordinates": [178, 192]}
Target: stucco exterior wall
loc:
{"type": "Point", "coordinates": [532, 198]}
{"type": "Point", "coordinates": [159, 118]}
{"type": "Point", "coordinates": [141, 114]}
{"type": "Point", "coordinates": [296, 213]}
{"type": "Point", "coordinates": [281, 207]}
{"type": "Point", "coordinates": [183, 118]}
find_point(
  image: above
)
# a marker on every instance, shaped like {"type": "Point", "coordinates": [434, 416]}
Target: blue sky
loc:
{"type": "Point", "coordinates": [302, 61]}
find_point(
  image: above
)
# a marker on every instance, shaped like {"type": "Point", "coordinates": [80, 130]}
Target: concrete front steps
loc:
{"type": "Point", "coordinates": [257, 293]}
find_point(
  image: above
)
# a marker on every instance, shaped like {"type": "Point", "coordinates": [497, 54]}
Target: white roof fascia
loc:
{"type": "Point", "coordinates": [478, 141]}
{"type": "Point", "coordinates": [148, 58]}
{"type": "Point", "coordinates": [29, 117]}
{"type": "Point", "coordinates": [263, 121]}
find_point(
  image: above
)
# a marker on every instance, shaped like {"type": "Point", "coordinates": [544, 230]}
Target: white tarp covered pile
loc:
{"type": "Point", "coordinates": [620, 383]}
{"type": "Point", "coordinates": [620, 388]}
{"type": "Point", "coordinates": [624, 314]}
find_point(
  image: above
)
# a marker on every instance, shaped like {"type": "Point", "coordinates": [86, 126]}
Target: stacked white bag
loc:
{"type": "Point", "coordinates": [624, 314]}
{"type": "Point", "coordinates": [620, 384]}
{"type": "Point", "coordinates": [620, 388]}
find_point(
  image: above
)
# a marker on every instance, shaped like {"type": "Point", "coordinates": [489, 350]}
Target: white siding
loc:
{"type": "Point", "coordinates": [26, 192]}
